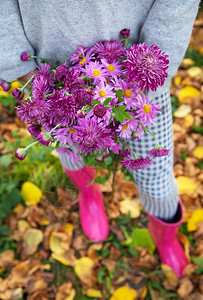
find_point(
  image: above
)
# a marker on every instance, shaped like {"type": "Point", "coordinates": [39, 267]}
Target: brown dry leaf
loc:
{"type": "Point", "coordinates": [84, 268]}
{"type": "Point", "coordinates": [23, 225]}
{"type": "Point", "coordinates": [109, 263]}
{"type": "Point", "coordinates": [184, 240]}
{"type": "Point", "coordinates": [7, 259]}
{"type": "Point", "coordinates": [66, 292]}
{"type": "Point", "coordinates": [187, 62]}
{"type": "Point", "coordinates": [186, 185]}
{"type": "Point", "coordinates": [127, 206]}
{"type": "Point", "coordinates": [185, 288]}
{"type": "Point", "coordinates": [31, 240]}
{"type": "Point", "coordinates": [91, 252]}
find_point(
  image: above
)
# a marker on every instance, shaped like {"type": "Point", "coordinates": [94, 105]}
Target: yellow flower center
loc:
{"type": "Point", "coordinates": [146, 109]}
{"type": "Point", "coordinates": [125, 127]}
{"type": "Point", "coordinates": [102, 94]}
{"type": "Point", "coordinates": [96, 73]}
{"type": "Point", "coordinates": [83, 61]}
{"type": "Point", "coordinates": [71, 130]}
{"type": "Point", "coordinates": [110, 68]}
{"type": "Point", "coordinates": [127, 93]}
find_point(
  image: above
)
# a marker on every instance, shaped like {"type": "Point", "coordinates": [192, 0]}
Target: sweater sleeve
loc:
{"type": "Point", "coordinates": [13, 43]}
{"type": "Point", "coordinates": [169, 26]}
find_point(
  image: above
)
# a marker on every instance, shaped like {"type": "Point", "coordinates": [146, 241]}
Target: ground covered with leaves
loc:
{"type": "Point", "coordinates": [43, 251]}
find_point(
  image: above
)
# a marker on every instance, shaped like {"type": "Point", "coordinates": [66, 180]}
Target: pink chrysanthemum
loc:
{"type": "Point", "coordinates": [146, 65]}
{"type": "Point", "coordinates": [136, 164]}
{"type": "Point", "coordinates": [91, 136]}
{"type": "Point", "coordinates": [158, 151]}
{"type": "Point", "coordinates": [103, 91]}
{"type": "Point", "coordinates": [125, 129]}
{"type": "Point", "coordinates": [64, 135]}
{"type": "Point", "coordinates": [113, 69]}
{"type": "Point", "coordinates": [146, 111]}
{"type": "Point", "coordinates": [110, 50]}
{"type": "Point", "coordinates": [95, 71]}
{"type": "Point", "coordinates": [129, 91]}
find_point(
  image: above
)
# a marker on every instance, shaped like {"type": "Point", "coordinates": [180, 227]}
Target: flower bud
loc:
{"type": "Point", "coordinates": [99, 110]}
{"type": "Point", "coordinates": [33, 130]}
{"type": "Point", "coordinates": [98, 158]}
{"type": "Point", "coordinates": [106, 154]}
{"type": "Point", "coordinates": [80, 114]}
{"type": "Point", "coordinates": [44, 138]}
{"type": "Point", "coordinates": [25, 56]}
{"type": "Point", "coordinates": [6, 86]}
{"type": "Point", "coordinates": [21, 153]}
{"type": "Point", "coordinates": [125, 33]}
{"type": "Point", "coordinates": [18, 94]}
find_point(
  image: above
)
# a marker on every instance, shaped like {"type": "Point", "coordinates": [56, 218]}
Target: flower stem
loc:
{"type": "Point", "coordinates": [36, 142]}
{"type": "Point", "coordinates": [55, 128]}
{"type": "Point", "coordinates": [122, 142]}
{"type": "Point", "coordinates": [27, 83]}
{"type": "Point", "coordinates": [154, 135]}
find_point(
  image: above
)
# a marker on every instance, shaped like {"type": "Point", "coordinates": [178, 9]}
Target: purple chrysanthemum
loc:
{"type": "Point", "coordinates": [6, 86]}
{"type": "Point", "coordinates": [18, 94]}
{"type": "Point", "coordinates": [125, 33]}
{"type": "Point", "coordinates": [62, 109]}
{"type": "Point", "coordinates": [158, 151]}
{"type": "Point", "coordinates": [91, 136]}
{"type": "Point", "coordinates": [136, 164]}
{"type": "Point", "coordinates": [82, 97]}
{"type": "Point", "coordinates": [21, 153]}
{"type": "Point", "coordinates": [33, 130]}
{"type": "Point", "coordinates": [110, 50]}
{"type": "Point", "coordinates": [64, 135]}
{"type": "Point", "coordinates": [61, 72]}
{"type": "Point", "coordinates": [25, 56]}
{"type": "Point", "coordinates": [32, 111]}
{"type": "Point", "coordinates": [44, 138]}
{"type": "Point", "coordinates": [40, 87]}
{"type": "Point", "coordinates": [146, 65]}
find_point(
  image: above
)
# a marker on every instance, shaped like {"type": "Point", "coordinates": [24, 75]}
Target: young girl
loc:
{"type": "Point", "coordinates": [53, 30]}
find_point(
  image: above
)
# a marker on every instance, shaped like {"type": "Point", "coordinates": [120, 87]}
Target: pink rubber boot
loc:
{"type": "Point", "coordinates": [92, 213]}
{"type": "Point", "coordinates": [164, 236]}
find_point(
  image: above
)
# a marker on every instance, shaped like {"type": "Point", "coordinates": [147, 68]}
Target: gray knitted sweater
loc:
{"type": "Point", "coordinates": [54, 29]}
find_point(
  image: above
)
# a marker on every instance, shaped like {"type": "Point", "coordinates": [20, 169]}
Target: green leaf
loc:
{"type": "Point", "coordinates": [200, 164]}
{"type": "Point", "coordinates": [6, 159]}
{"type": "Point", "coordinates": [121, 114]}
{"type": "Point", "coordinates": [141, 238]}
{"type": "Point", "coordinates": [198, 129]}
{"type": "Point", "coordinates": [106, 102]}
{"type": "Point", "coordinates": [184, 155]}
{"type": "Point", "coordinates": [197, 260]}
{"type": "Point", "coordinates": [199, 271]}
{"type": "Point", "coordinates": [195, 56]}
{"type": "Point", "coordinates": [95, 101]}
{"type": "Point", "coordinates": [119, 94]}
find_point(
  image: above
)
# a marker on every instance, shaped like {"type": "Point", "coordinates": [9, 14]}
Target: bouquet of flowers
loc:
{"type": "Point", "coordinates": [95, 102]}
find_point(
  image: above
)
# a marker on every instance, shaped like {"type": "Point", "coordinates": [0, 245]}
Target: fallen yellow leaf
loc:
{"type": "Point", "coordinates": [169, 273]}
{"type": "Point", "coordinates": [67, 258]}
{"type": "Point", "coordinates": [31, 240]}
{"type": "Point", "coordinates": [177, 80]}
{"type": "Point", "coordinates": [196, 217]}
{"type": "Point", "coordinates": [23, 225]}
{"type": "Point", "coordinates": [127, 206]}
{"type": "Point", "coordinates": [187, 93]}
{"type": "Point", "coordinates": [94, 293]}
{"type": "Point", "coordinates": [195, 72]}
{"type": "Point", "coordinates": [187, 62]}
{"type": "Point", "coordinates": [124, 293]}
{"type": "Point", "coordinates": [59, 240]}
{"type": "Point", "coordinates": [189, 120]}
{"type": "Point", "coordinates": [31, 193]}
{"type": "Point", "coordinates": [71, 296]}
{"type": "Point", "coordinates": [84, 269]}
{"type": "Point", "coordinates": [15, 85]}
{"type": "Point", "coordinates": [182, 111]}
{"type": "Point", "coordinates": [198, 152]}
{"type": "Point", "coordinates": [186, 185]}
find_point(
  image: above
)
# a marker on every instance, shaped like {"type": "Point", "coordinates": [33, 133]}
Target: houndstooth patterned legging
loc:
{"type": "Point", "coordinates": [156, 184]}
